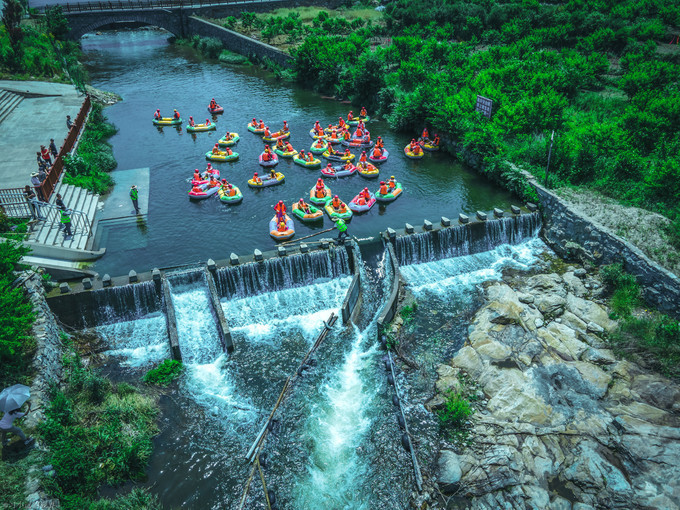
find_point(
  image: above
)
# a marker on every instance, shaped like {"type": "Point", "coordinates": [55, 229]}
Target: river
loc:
{"type": "Point", "coordinates": [148, 73]}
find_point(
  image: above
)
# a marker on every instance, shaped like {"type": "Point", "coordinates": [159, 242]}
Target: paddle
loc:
{"type": "Point", "coordinates": [310, 235]}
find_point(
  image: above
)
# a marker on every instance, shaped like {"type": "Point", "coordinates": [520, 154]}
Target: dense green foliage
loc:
{"type": "Point", "coordinates": [453, 416]}
{"type": "Point", "coordinates": [37, 48]}
{"type": "Point", "coordinates": [16, 319]}
{"type": "Point", "coordinates": [598, 73]}
{"type": "Point", "coordinates": [97, 433]}
{"type": "Point", "coordinates": [653, 336]}
{"type": "Point", "coordinates": [94, 158]}
{"type": "Point", "coordinates": [164, 373]}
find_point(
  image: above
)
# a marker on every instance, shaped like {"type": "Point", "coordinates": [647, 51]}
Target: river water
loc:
{"type": "Point", "coordinates": [149, 73]}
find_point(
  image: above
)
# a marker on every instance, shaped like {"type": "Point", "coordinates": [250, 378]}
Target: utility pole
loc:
{"type": "Point", "coordinates": [547, 168]}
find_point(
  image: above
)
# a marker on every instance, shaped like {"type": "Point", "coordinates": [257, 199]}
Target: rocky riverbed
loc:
{"type": "Point", "coordinates": [561, 423]}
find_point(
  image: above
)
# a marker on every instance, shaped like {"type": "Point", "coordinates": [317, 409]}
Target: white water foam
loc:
{"type": "Point", "coordinates": [137, 343]}
{"type": "Point", "coordinates": [199, 339]}
{"type": "Point", "coordinates": [442, 276]}
{"type": "Point", "coordinates": [263, 318]}
{"type": "Point", "coordinates": [337, 426]}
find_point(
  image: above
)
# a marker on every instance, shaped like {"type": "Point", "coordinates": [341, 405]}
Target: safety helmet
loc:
{"type": "Point", "coordinates": [336, 196]}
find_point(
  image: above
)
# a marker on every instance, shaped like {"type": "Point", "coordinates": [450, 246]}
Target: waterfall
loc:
{"type": "Point", "coordinates": [138, 343]}
{"type": "Point", "coordinates": [282, 272]}
{"type": "Point", "coordinates": [466, 239]}
{"type": "Point", "coordinates": [107, 306]}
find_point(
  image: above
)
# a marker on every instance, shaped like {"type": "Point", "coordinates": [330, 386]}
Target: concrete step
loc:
{"type": "Point", "coordinates": [7, 108]}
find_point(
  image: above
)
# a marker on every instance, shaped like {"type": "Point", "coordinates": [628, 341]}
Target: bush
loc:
{"type": "Point", "coordinates": [625, 289]}
{"type": "Point", "coordinates": [164, 373]}
{"type": "Point", "coordinates": [455, 413]}
{"type": "Point", "coordinates": [232, 58]}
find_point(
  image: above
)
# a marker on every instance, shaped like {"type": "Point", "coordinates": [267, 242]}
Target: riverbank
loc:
{"type": "Point", "coordinates": [558, 418]}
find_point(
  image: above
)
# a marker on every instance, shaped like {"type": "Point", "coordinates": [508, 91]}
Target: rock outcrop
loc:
{"type": "Point", "coordinates": [565, 424]}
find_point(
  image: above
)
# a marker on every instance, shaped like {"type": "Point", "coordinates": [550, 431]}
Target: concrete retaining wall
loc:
{"type": "Point", "coordinates": [570, 235]}
{"type": "Point", "coordinates": [236, 42]}
{"type": "Point", "coordinates": [171, 321]}
{"type": "Point", "coordinates": [222, 326]}
{"type": "Point", "coordinates": [353, 292]}
{"type": "Point", "coordinates": [390, 309]}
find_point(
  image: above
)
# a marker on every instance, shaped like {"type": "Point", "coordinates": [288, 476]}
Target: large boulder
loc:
{"type": "Point", "coordinates": [549, 293]}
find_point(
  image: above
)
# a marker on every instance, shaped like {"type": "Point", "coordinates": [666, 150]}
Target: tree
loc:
{"type": "Point", "coordinates": [11, 18]}
{"type": "Point", "coordinates": [56, 23]}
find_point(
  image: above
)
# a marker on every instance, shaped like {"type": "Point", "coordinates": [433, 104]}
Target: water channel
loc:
{"type": "Point", "coordinates": [335, 443]}
{"type": "Point", "coordinates": [149, 73]}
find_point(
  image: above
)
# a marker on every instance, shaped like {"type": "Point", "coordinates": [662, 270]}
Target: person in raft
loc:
{"type": "Point", "coordinates": [213, 182]}
{"type": "Point", "coordinates": [213, 104]}
{"type": "Point", "coordinates": [320, 188]}
{"type": "Point", "coordinates": [230, 191]}
{"type": "Point", "coordinates": [365, 194]}
{"type": "Point", "coordinates": [319, 143]}
{"type": "Point", "coordinates": [285, 126]}
{"type": "Point", "coordinates": [348, 165]}
{"type": "Point", "coordinates": [197, 189]}
{"type": "Point", "coordinates": [347, 154]}
{"type": "Point", "coordinates": [302, 155]}
{"type": "Point", "coordinates": [383, 188]}
{"type": "Point", "coordinates": [362, 158]}
{"type": "Point", "coordinates": [228, 136]}
{"type": "Point", "coordinates": [197, 175]}
{"type": "Point", "coordinates": [279, 144]}
{"type": "Point", "coordinates": [253, 123]}
{"type": "Point", "coordinates": [330, 169]}
{"type": "Point", "coordinates": [425, 135]}
{"type": "Point", "coordinates": [363, 112]}
{"type": "Point", "coordinates": [310, 157]}
{"type": "Point", "coordinates": [216, 149]}
{"type": "Point", "coordinates": [392, 182]}
{"type": "Point", "coordinates": [303, 206]}
{"type": "Point", "coordinates": [267, 133]}
{"type": "Point", "coordinates": [207, 122]}
{"type": "Point", "coordinates": [282, 226]}
{"type": "Point", "coordinates": [228, 151]}
{"type": "Point", "coordinates": [157, 114]}
{"type": "Point", "coordinates": [346, 136]}
{"type": "Point", "coordinates": [261, 125]}
{"type": "Point", "coordinates": [336, 202]}
{"type": "Point", "coordinates": [289, 147]}
{"type": "Point", "coordinates": [341, 122]}
{"type": "Point", "coordinates": [272, 174]}
{"type": "Point", "coordinates": [175, 115]}
{"type": "Point", "coordinates": [280, 209]}
{"type": "Point", "coordinates": [224, 184]}
{"type": "Point", "coordinates": [191, 121]}
{"type": "Point", "coordinates": [350, 116]}
{"type": "Point", "coordinates": [256, 179]}
{"type": "Point", "coordinates": [267, 155]}
{"type": "Point", "coordinates": [377, 152]}
{"type": "Point", "coordinates": [435, 142]}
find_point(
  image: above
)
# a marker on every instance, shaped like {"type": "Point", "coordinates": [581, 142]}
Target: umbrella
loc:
{"type": "Point", "coordinates": [14, 397]}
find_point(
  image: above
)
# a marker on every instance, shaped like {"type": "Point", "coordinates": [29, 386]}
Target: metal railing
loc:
{"type": "Point", "coordinates": [80, 223]}
{"type": "Point", "coordinates": [12, 200]}
{"type": "Point", "coordinates": [150, 4]}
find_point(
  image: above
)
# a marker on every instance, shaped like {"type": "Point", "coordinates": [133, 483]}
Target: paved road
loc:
{"type": "Point", "coordinates": [32, 123]}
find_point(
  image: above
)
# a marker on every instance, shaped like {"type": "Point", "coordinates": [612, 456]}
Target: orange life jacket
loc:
{"type": "Point", "coordinates": [196, 189]}
{"type": "Point", "coordinates": [336, 203]}
{"type": "Point", "coordinates": [363, 112]}
{"type": "Point", "coordinates": [261, 126]}
{"type": "Point", "coordinates": [392, 184]}
{"type": "Point", "coordinates": [289, 148]}
{"type": "Point", "coordinates": [362, 159]}
{"type": "Point", "coordinates": [377, 153]}
{"type": "Point", "coordinates": [383, 189]}
{"type": "Point", "coordinates": [282, 226]}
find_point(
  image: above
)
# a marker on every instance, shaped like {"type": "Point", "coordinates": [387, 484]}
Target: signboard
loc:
{"type": "Point", "coordinates": [484, 106]}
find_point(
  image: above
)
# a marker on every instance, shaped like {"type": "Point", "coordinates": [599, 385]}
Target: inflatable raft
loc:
{"type": "Point", "coordinates": [412, 155]}
{"type": "Point", "coordinates": [343, 211]}
{"type": "Point", "coordinates": [313, 134]}
{"type": "Point", "coordinates": [231, 200]}
{"type": "Point", "coordinates": [357, 206]}
{"type": "Point", "coordinates": [315, 163]}
{"type": "Point", "coordinates": [228, 143]}
{"type": "Point", "coordinates": [429, 147]}
{"type": "Point", "coordinates": [279, 135]}
{"type": "Point", "coordinates": [381, 159]}
{"type": "Point", "coordinates": [358, 143]}
{"type": "Point", "coordinates": [167, 121]}
{"type": "Point", "coordinates": [272, 162]}
{"type": "Point", "coordinates": [285, 154]}
{"type": "Point", "coordinates": [255, 129]}
{"type": "Point", "coordinates": [205, 192]}
{"type": "Point", "coordinates": [282, 235]}
{"type": "Point", "coordinates": [339, 171]}
{"type": "Point", "coordinates": [320, 200]}
{"type": "Point", "coordinates": [369, 171]}
{"type": "Point", "coordinates": [216, 110]}
{"type": "Point", "coordinates": [338, 157]}
{"type": "Point", "coordinates": [198, 128]}
{"type": "Point", "coordinates": [221, 156]}
{"type": "Point", "coordinates": [314, 149]}
{"type": "Point", "coordinates": [212, 171]}
{"type": "Point", "coordinates": [314, 214]}
{"type": "Point", "coordinates": [268, 181]}
{"type": "Point", "coordinates": [334, 141]}
{"type": "Point", "coordinates": [391, 196]}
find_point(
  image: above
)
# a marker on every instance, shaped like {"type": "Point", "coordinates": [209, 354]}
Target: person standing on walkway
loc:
{"type": "Point", "coordinates": [59, 202]}
{"type": "Point", "coordinates": [69, 122]}
{"type": "Point", "coordinates": [65, 220]}
{"type": "Point", "coordinates": [33, 203]}
{"type": "Point", "coordinates": [342, 230]}
{"type": "Point", "coordinates": [134, 196]}
{"type": "Point", "coordinates": [7, 425]}
{"type": "Point", "coordinates": [53, 148]}
{"type": "Point", "coordinates": [36, 182]}
{"type": "Point", "coordinates": [45, 153]}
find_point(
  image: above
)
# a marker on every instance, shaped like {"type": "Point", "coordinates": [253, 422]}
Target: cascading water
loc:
{"type": "Point", "coordinates": [466, 239]}
{"type": "Point", "coordinates": [282, 272]}
{"type": "Point", "coordinates": [137, 343]}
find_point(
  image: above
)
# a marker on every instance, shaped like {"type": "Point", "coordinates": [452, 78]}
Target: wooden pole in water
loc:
{"type": "Point", "coordinates": [310, 235]}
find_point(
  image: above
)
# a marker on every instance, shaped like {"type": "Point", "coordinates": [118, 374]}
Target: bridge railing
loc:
{"type": "Point", "coordinates": [148, 4]}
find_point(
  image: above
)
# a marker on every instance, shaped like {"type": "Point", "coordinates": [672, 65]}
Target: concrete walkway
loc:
{"type": "Point", "coordinates": [31, 124]}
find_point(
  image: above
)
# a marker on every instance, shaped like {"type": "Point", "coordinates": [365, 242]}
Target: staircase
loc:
{"type": "Point", "coordinates": [83, 207]}
{"type": "Point", "coordinates": [8, 102]}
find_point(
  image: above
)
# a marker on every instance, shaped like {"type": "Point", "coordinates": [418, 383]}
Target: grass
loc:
{"type": "Point", "coordinates": [13, 470]}
{"type": "Point", "coordinates": [164, 373]}
{"type": "Point", "coordinates": [642, 335]}
{"type": "Point", "coordinates": [97, 433]}
{"type": "Point", "coordinates": [408, 313]}
{"type": "Point", "coordinates": [453, 417]}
